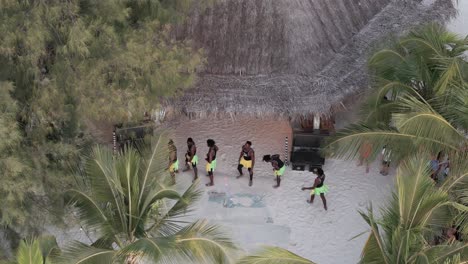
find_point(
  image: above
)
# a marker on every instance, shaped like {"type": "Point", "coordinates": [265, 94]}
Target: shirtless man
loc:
{"type": "Point", "coordinates": [211, 160]}
{"type": "Point", "coordinates": [247, 160]}
{"type": "Point", "coordinates": [191, 157]}
{"type": "Point", "coordinates": [173, 166]}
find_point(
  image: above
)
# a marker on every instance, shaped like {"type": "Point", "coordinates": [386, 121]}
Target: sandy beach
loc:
{"type": "Point", "coordinates": [261, 215]}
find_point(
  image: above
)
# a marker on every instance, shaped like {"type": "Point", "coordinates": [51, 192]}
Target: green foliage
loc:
{"type": "Point", "coordinates": [66, 62]}
{"type": "Point", "coordinates": [37, 251]}
{"type": "Point", "coordinates": [29, 252]}
{"type": "Point", "coordinates": [417, 213]}
{"type": "Point", "coordinates": [424, 77]}
{"type": "Point", "coordinates": [126, 199]}
{"type": "Point", "coordinates": [15, 185]}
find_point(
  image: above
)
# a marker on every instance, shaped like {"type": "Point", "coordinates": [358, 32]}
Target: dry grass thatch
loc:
{"type": "Point", "coordinates": [291, 57]}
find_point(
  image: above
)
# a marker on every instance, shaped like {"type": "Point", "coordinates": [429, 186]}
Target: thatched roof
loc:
{"type": "Point", "coordinates": [290, 57]}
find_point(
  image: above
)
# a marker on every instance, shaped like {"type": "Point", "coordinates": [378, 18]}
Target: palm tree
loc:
{"type": "Point", "coordinates": [37, 251]}
{"type": "Point", "coordinates": [420, 100]}
{"type": "Point", "coordinates": [124, 199]}
{"type": "Point", "coordinates": [416, 214]}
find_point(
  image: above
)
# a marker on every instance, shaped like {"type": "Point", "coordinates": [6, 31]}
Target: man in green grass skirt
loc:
{"type": "Point", "coordinates": [173, 166]}
{"type": "Point", "coordinates": [191, 157]}
{"type": "Point", "coordinates": [211, 160]}
{"type": "Point", "coordinates": [319, 187]}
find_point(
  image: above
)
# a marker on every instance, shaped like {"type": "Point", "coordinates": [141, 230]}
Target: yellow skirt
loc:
{"type": "Point", "coordinates": [246, 163]}
{"type": "Point", "coordinates": [174, 166]}
{"type": "Point", "coordinates": [211, 166]}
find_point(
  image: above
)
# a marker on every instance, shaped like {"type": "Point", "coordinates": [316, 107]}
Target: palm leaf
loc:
{"type": "Point", "coordinates": [148, 248]}
{"type": "Point", "coordinates": [156, 195]}
{"type": "Point", "coordinates": [88, 210]}
{"type": "Point", "coordinates": [420, 203]}
{"type": "Point", "coordinates": [170, 222]}
{"type": "Point", "coordinates": [79, 253]}
{"type": "Point", "coordinates": [451, 75]}
{"type": "Point", "coordinates": [29, 252]}
{"type": "Point", "coordinates": [202, 242]}
{"type": "Point", "coordinates": [347, 142]}
{"type": "Point", "coordinates": [49, 248]}
{"type": "Point", "coordinates": [199, 242]}
{"type": "Point", "coordinates": [274, 255]}
{"type": "Point", "coordinates": [444, 252]}
{"type": "Point", "coordinates": [105, 185]}
{"type": "Point", "coordinates": [150, 167]}
{"type": "Point", "coordinates": [374, 250]}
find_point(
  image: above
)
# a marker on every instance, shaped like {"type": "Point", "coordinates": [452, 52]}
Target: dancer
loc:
{"type": "Point", "coordinates": [211, 159]}
{"type": "Point", "coordinates": [319, 188]}
{"type": "Point", "coordinates": [173, 166]}
{"type": "Point", "coordinates": [278, 167]}
{"type": "Point", "coordinates": [247, 160]}
{"type": "Point", "coordinates": [191, 158]}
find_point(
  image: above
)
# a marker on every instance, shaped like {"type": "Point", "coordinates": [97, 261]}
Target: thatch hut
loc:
{"type": "Point", "coordinates": [289, 58]}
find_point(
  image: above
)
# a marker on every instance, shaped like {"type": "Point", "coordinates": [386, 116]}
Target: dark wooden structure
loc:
{"type": "Point", "coordinates": [134, 136]}
{"type": "Point", "coordinates": [308, 137]}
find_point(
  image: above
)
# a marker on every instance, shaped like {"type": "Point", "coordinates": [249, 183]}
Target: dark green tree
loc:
{"type": "Point", "coordinates": [63, 63]}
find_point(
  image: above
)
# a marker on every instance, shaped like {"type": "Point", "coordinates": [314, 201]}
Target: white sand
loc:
{"type": "Point", "coordinates": [262, 215]}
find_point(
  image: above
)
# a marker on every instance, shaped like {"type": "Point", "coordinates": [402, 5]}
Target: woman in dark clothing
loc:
{"type": "Point", "coordinates": [319, 187]}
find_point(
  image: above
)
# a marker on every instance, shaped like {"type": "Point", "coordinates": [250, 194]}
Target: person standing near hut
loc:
{"type": "Point", "coordinates": [386, 155]}
{"type": "Point", "coordinates": [319, 187]}
{"type": "Point", "coordinates": [364, 154]}
{"type": "Point", "coordinates": [173, 166]}
{"type": "Point", "coordinates": [191, 158]}
{"type": "Point", "coordinates": [211, 160]}
{"type": "Point", "coordinates": [278, 167]}
{"type": "Point", "coordinates": [247, 160]}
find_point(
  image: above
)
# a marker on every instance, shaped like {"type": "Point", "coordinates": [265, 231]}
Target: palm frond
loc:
{"type": "Point", "coordinates": [456, 185]}
{"type": "Point", "coordinates": [429, 125]}
{"type": "Point", "coordinates": [170, 222]}
{"type": "Point", "coordinates": [49, 248]}
{"type": "Point", "coordinates": [451, 75]}
{"type": "Point", "coordinates": [29, 252]}
{"type": "Point", "coordinates": [202, 242]}
{"type": "Point", "coordinates": [79, 253]}
{"type": "Point", "coordinates": [443, 253]}
{"type": "Point", "coordinates": [89, 211]}
{"type": "Point", "coordinates": [347, 142]}
{"type": "Point", "coordinates": [374, 250]}
{"type": "Point", "coordinates": [274, 255]}
{"type": "Point", "coordinates": [105, 184]}
{"type": "Point", "coordinates": [150, 168]}
{"type": "Point", "coordinates": [453, 106]}
{"type": "Point", "coordinates": [148, 248]}
{"type": "Point", "coordinates": [420, 203]}
{"type": "Point", "coordinates": [156, 195]}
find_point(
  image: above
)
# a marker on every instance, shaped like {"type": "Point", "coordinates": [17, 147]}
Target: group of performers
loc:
{"type": "Point", "coordinates": [246, 160]}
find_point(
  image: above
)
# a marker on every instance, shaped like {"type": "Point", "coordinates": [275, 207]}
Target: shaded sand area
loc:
{"type": "Point", "coordinates": [261, 215]}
